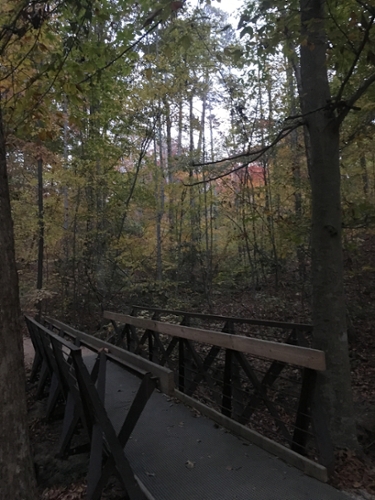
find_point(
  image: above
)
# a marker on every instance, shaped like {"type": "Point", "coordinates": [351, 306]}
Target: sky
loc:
{"type": "Point", "coordinates": [229, 6]}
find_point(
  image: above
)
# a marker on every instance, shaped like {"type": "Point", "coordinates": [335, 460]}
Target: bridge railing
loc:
{"type": "Point", "coordinates": [278, 331]}
{"type": "Point", "coordinates": [263, 390]}
{"type": "Point", "coordinates": [267, 386]}
{"type": "Point", "coordinates": [83, 393]}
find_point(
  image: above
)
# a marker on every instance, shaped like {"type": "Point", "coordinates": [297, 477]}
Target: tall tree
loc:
{"type": "Point", "coordinates": [329, 314]}
{"type": "Point", "coordinates": [332, 72]}
{"type": "Point", "coordinates": [17, 471]}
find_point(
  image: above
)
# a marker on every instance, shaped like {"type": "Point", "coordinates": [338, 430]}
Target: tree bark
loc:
{"type": "Point", "coordinates": [16, 468]}
{"type": "Point", "coordinates": [334, 385]}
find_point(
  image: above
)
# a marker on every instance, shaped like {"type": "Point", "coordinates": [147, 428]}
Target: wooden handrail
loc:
{"type": "Point", "coordinates": [63, 342]}
{"type": "Point", "coordinates": [215, 317]}
{"type": "Point", "coordinates": [134, 362]}
{"type": "Point", "coordinates": [300, 356]}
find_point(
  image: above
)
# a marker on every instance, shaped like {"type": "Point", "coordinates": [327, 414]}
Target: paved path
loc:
{"type": "Point", "coordinates": [181, 456]}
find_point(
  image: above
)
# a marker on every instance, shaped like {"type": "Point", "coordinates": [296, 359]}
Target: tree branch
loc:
{"type": "Point", "coordinates": [255, 155]}
{"type": "Point", "coordinates": [354, 98]}
{"type": "Point", "coordinates": [127, 49]}
{"type": "Point", "coordinates": [355, 61]}
{"type": "Point", "coordinates": [283, 133]}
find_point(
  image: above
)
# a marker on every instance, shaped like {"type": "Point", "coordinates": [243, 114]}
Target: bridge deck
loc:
{"type": "Point", "coordinates": [181, 456]}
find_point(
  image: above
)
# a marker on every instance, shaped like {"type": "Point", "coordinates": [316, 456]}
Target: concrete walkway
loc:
{"type": "Point", "coordinates": [180, 455]}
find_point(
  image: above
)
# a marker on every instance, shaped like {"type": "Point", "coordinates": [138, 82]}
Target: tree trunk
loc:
{"type": "Point", "coordinates": [194, 232]}
{"type": "Point", "coordinates": [170, 169]}
{"type": "Point", "coordinates": [159, 194]}
{"type": "Point", "coordinates": [296, 172]}
{"type": "Point", "coordinates": [334, 385]}
{"type": "Point", "coordinates": [16, 468]}
{"type": "Point", "coordinates": [39, 280]}
{"type": "Point", "coordinates": [179, 136]}
{"type": "Point", "coordinates": [363, 163]}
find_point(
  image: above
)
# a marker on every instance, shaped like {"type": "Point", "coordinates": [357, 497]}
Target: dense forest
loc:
{"type": "Point", "coordinates": [171, 154]}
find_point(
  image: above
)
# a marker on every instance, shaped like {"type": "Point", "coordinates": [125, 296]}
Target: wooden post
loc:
{"type": "Point", "coordinates": [303, 413]}
{"type": "Point", "coordinates": [181, 365]}
{"type": "Point", "coordinates": [227, 384]}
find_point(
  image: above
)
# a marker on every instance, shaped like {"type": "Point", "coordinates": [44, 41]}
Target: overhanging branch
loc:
{"type": "Point", "coordinates": [356, 59]}
{"type": "Point", "coordinates": [252, 156]}
{"type": "Point", "coordinates": [349, 104]}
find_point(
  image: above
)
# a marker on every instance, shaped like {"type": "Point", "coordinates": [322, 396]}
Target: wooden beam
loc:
{"type": "Point", "coordinates": [121, 356]}
{"type": "Point", "coordinates": [300, 356]}
{"type": "Point", "coordinates": [53, 335]}
{"type": "Point", "coordinates": [300, 462]}
{"type": "Point", "coordinates": [216, 317]}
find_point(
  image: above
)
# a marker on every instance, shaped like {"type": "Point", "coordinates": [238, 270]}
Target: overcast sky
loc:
{"type": "Point", "coordinates": [230, 6]}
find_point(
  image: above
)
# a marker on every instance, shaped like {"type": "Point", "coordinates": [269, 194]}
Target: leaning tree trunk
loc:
{"type": "Point", "coordinates": [334, 385]}
{"type": "Point", "coordinates": [16, 469]}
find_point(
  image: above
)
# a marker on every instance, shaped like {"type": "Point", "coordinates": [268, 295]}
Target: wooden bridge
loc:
{"type": "Point", "coordinates": [253, 378]}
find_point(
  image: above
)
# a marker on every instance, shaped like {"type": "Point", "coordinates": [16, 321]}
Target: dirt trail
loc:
{"type": "Point", "coordinates": [29, 352]}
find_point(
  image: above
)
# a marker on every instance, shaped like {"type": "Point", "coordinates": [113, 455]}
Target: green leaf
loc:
{"type": "Point", "coordinates": [168, 52]}
{"type": "Point", "coordinates": [247, 31]}
{"type": "Point", "coordinates": [237, 54]}
{"type": "Point", "coordinates": [244, 19]}
{"type": "Point", "coordinates": [185, 41]}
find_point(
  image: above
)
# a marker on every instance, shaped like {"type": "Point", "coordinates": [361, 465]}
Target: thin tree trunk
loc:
{"type": "Point", "coordinates": [210, 120]}
{"type": "Point", "coordinates": [169, 167]}
{"type": "Point", "coordinates": [297, 73]}
{"type": "Point", "coordinates": [39, 281]}
{"type": "Point", "coordinates": [267, 183]}
{"type": "Point", "coordinates": [65, 188]}
{"type": "Point", "coordinates": [74, 250]}
{"type": "Point", "coordinates": [193, 208]}
{"type": "Point", "coordinates": [364, 174]}
{"type": "Point", "coordinates": [330, 334]}
{"type": "Point", "coordinates": [17, 473]}
{"type": "Point", "coordinates": [296, 172]}
{"type": "Point", "coordinates": [160, 201]}
{"type": "Point", "coordinates": [179, 137]}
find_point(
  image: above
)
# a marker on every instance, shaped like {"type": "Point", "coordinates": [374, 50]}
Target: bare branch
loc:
{"type": "Point", "coordinates": [7, 31]}
{"type": "Point", "coordinates": [369, 8]}
{"type": "Point", "coordinates": [349, 104]}
{"type": "Point", "coordinates": [355, 60]}
{"type": "Point", "coordinates": [21, 61]}
{"type": "Point", "coordinates": [340, 29]}
{"type": "Point", "coordinates": [255, 155]}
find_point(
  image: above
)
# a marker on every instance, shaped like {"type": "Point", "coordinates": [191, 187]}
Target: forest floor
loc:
{"type": "Point", "coordinates": [355, 471]}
